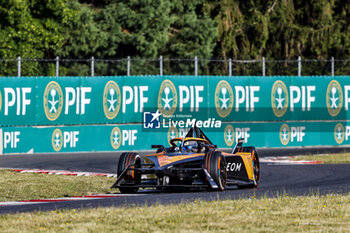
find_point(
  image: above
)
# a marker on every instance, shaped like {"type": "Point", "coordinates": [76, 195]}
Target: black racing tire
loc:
{"type": "Point", "coordinates": [256, 164]}
{"type": "Point", "coordinates": [215, 164]}
{"type": "Point", "coordinates": [125, 160]}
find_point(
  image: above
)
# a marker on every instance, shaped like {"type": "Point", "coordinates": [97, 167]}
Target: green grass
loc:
{"type": "Point", "coordinates": [328, 213]}
{"type": "Point", "coordinates": [16, 186]}
{"type": "Point", "coordinates": [326, 158]}
{"type": "Point", "coordinates": [316, 213]}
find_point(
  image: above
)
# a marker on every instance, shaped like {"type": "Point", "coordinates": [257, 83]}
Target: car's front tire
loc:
{"type": "Point", "coordinates": [215, 164]}
{"type": "Point", "coordinates": [130, 177]}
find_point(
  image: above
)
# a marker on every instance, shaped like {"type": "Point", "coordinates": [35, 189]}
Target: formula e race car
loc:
{"type": "Point", "coordinates": [191, 162]}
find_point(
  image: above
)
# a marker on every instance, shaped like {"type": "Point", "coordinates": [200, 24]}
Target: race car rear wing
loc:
{"type": "Point", "coordinates": [238, 146]}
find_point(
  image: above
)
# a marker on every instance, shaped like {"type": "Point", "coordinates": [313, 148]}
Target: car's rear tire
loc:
{"type": "Point", "coordinates": [215, 164]}
{"type": "Point", "coordinates": [256, 164]}
{"type": "Point", "coordinates": [130, 177]}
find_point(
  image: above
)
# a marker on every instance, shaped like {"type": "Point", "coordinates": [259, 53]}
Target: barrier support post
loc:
{"type": "Point", "coordinates": [161, 65]}
{"type": "Point", "coordinates": [92, 66]}
{"type": "Point", "coordinates": [19, 66]}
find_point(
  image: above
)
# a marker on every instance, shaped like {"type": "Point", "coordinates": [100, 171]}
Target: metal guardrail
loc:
{"type": "Point", "coordinates": [171, 66]}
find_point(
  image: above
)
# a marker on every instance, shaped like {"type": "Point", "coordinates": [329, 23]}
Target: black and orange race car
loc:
{"type": "Point", "coordinates": [191, 162]}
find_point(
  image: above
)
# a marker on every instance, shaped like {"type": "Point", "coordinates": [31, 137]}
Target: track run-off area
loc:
{"type": "Point", "coordinates": [277, 178]}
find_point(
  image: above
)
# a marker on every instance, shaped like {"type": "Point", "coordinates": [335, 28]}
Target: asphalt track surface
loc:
{"type": "Point", "coordinates": [275, 180]}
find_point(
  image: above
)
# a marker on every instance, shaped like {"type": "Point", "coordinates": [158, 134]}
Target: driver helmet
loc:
{"type": "Point", "coordinates": [190, 145]}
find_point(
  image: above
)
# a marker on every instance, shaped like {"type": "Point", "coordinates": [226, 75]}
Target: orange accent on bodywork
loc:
{"type": "Point", "coordinates": [247, 154]}
{"type": "Point", "coordinates": [165, 160]}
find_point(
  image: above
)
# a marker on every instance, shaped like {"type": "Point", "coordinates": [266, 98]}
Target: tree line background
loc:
{"type": "Point", "coordinates": [209, 29]}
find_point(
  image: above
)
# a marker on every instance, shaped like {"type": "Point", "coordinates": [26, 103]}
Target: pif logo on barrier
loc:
{"type": "Point", "coordinates": [223, 98]}
{"type": "Point", "coordinates": [294, 134]}
{"type": "Point", "coordinates": [57, 140]}
{"type": "Point", "coordinates": [229, 135]}
{"type": "Point", "coordinates": [65, 139]}
{"type": "Point", "coordinates": [111, 100]}
{"type": "Point", "coordinates": [232, 134]}
{"type": "Point", "coordinates": [172, 133]}
{"type": "Point", "coordinates": [123, 137]}
{"type": "Point", "coordinates": [116, 138]}
{"type": "Point", "coordinates": [334, 98]}
{"type": "Point", "coordinates": [284, 134]}
{"type": "Point", "coordinates": [167, 98]}
{"type": "Point", "coordinates": [279, 98]}
{"type": "Point", "coordinates": [53, 100]}
{"type": "Point", "coordinates": [339, 133]}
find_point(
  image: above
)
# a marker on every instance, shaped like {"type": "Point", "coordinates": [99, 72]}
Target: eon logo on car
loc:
{"type": "Point", "coordinates": [233, 167]}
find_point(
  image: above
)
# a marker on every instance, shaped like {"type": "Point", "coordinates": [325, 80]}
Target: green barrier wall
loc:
{"type": "Point", "coordinates": [72, 114]}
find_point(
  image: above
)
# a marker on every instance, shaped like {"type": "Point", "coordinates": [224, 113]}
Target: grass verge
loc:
{"type": "Point", "coordinates": [24, 186]}
{"type": "Point", "coordinates": [328, 213]}
{"type": "Point", "coordinates": [325, 158]}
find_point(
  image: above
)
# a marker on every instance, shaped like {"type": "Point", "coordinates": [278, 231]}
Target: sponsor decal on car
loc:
{"type": "Point", "coordinates": [233, 167]}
